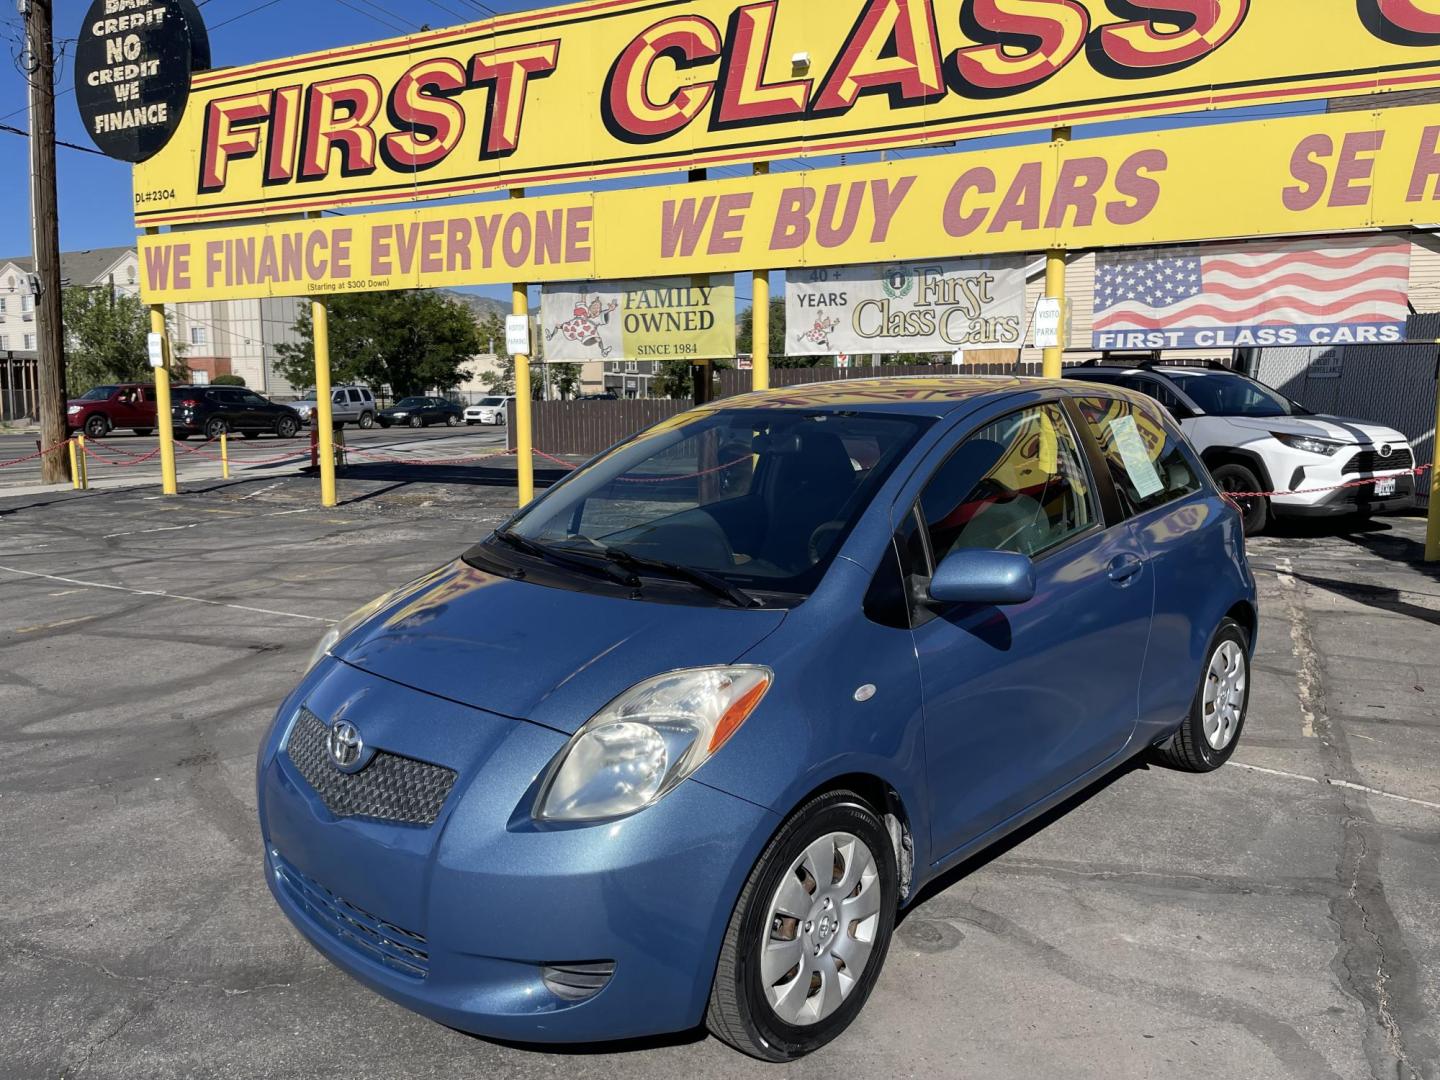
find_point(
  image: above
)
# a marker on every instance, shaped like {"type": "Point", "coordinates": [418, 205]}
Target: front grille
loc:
{"type": "Point", "coordinates": [1369, 461]}
{"type": "Point", "coordinates": [391, 787]}
{"type": "Point", "coordinates": [396, 948]}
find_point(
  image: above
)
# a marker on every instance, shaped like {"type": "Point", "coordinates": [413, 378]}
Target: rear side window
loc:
{"type": "Point", "coordinates": [355, 396]}
{"type": "Point", "coordinates": [1148, 465]}
{"type": "Point", "coordinates": [1018, 484]}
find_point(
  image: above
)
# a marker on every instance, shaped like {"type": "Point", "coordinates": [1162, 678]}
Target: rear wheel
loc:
{"type": "Point", "coordinates": [1235, 480]}
{"type": "Point", "coordinates": [367, 420]}
{"type": "Point", "coordinates": [97, 427]}
{"type": "Point", "coordinates": [809, 934]}
{"type": "Point", "coordinates": [1210, 733]}
{"type": "Point", "coordinates": [417, 421]}
{"type": "Point", "coordinates": [215, 427]}
{"type": "Point", "coordinates": [451, 420]}
{"type": "Point", "coordinates": [286, 427]}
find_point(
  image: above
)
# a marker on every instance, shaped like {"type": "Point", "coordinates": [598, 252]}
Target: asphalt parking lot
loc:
{"type": "Point", "coordinates": [1280, 918]}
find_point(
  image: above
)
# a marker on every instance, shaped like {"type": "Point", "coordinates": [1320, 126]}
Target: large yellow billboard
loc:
{"type": "Point", "coordinates": [1312, 174]}
{"type": "Point", "coordinates": [608, 89]}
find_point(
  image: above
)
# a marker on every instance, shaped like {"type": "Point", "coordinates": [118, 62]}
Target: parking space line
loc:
{"type": "Point", "coordinates": [1326, 780]}
{"type": "Point", "coordinates": [167, 595]}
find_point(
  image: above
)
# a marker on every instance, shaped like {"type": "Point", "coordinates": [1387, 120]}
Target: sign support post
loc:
{"type": "Point", "coordinates": [324, 412]}
{"type": "Point", "coordinates": [1432, 530]}
{"type": "Point", "coordinates": [164, 417]}
{"type": "Point", "coordinates": [1055, 289]}
{"type": "Point", "coordinates": [760, 317]}
{"type": "Point", "coordinates": [524, 431]}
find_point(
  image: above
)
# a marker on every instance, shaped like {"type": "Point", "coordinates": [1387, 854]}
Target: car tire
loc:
{"type": "Point", "coordinates": [215, 427]}
{"type": "Point", "coordinates": [97, 427]}
{"type": "Point", "coordinates": [417, 421]}
{"type": "Point", "coordinates": [286, 427]}
{"type": "Point", "coordinates": [1255, 512]}
{"type": "Point", "coordinates": [367, 421]}
{"type": "Point", "coordinates": [740, 1010]}
{"type": "Point", "coordinates": [144, 432]}
{"type": "Point", "coordinates": [452, 420]}
{"type": "Point", "coordinates": [1208, 737]}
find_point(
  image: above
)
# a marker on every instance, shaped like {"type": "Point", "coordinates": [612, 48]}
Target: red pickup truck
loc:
{"type": "Point", "coordinates": [100, 411]}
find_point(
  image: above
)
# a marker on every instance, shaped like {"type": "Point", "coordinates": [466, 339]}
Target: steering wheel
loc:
{"type": "Point", "coordinates": [823, 536]}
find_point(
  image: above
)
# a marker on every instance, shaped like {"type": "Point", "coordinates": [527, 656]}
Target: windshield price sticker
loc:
{"type": "Point", "coordinates": [1131, 444]}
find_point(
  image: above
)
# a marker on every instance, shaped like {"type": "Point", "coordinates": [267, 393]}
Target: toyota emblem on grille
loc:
{"type": "Point", "coordinates": [346, 747]}
{"type": "Point", "coordinates": [1386, 451]}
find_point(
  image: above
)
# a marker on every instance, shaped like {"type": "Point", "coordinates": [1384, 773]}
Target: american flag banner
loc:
{"type": "Point", "coordinates": [1341, 290]}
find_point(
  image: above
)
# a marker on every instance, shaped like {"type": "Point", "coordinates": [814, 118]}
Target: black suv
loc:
{"type": "Point", "coordinates": [211, 410]}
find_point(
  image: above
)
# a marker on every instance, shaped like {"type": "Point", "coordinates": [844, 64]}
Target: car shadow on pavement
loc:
{"type": "Point", "coordinates": [461, 475]}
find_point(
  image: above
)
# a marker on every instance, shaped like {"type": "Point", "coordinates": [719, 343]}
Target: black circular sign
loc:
{"type": "Point", "coordinates": [132, 72]}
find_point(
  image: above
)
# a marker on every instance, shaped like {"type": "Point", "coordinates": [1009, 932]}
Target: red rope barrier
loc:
{"type": "Point", "coordinates": [32, 457]}
{"type": "Point", "coordinates": [1415, 472]}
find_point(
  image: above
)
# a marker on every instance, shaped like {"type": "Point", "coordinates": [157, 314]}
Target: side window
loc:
{"type": "Point", "coordinates": [1149, 466]}
{"type": "Point", "coordinates": [338, 397]}
{"type": "Point", "coordinates": [1018, 484]}
{"type": "Point", "coordinates": [355, 396]}
{"type": "Point", "coordinates": [251, 399]}
{"type": "Point", "coordinates": [1163, 393]}
{"type": "Point", "coordinates": [903, 574]}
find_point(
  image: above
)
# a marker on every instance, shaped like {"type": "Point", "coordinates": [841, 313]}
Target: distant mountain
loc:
{"type": "Point", "coordinates": [480, 306]}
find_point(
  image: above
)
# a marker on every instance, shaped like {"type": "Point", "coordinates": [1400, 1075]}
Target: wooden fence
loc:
{"type": "Point", "coordinates": [587, 427]}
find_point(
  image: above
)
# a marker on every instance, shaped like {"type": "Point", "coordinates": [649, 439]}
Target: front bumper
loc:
{"type": "Point", "coordinates": [488, 896]}
{"type": "Point", "coordinates": [1350, 500]}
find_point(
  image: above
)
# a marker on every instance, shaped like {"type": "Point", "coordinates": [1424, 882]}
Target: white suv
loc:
{"type": "Point", "coordinates": [348, 405]}
{"type": "Point", "coordinates": [1254, 439]}
{"type": "Point", "coordinates": [490, 410]}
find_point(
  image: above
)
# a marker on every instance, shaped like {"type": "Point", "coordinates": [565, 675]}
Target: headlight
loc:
{"type": "Point", "coordinates": [399, 415]}
{"type": "Point", "coordinates": [73, 409]}
{"type": "Point", "coordinates": [1309, 444]}
{"type": "Point", "coordinates": [341, 629]}
{"type": "Point", "coordinates": [647, 740]}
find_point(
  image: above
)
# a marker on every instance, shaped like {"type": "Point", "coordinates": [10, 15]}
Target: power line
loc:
{"type": "Point", "coordinates": [58, 142]}
{"type": "Point", "coordinates": [377, 18]}
{"type": "Point", "coordinates": [237, 18]}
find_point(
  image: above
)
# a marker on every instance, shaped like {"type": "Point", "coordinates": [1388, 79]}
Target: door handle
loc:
{"type": "Point", "coordinates": [1125, 568]}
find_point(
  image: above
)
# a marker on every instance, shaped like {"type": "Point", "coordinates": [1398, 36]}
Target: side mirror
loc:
{"type": "Point", "coordinates": [978, 576]}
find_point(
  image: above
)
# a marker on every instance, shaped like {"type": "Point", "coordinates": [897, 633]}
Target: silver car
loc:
{"type": "Point", "coordinates": [348, 405]}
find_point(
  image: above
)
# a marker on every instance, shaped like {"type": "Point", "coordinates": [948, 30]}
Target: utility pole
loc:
{"type": "Point", "coordinates": [45, 223]}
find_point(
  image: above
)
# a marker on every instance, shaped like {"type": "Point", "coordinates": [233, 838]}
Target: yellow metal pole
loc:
{"type": "Point", "coordinates": [1055, 289]}
{"type": "Point", "coordinates": [1432, 531]}
{"type": "Point", "coordinates": [760, 317]}
{"type": "Point", "coordinates": [524, 414]}
{"type": "Point", "coordinates": [74, 464]}
{"type": "Point", "coordinates": [324, 414]}
{"type": "Point", "coordinates": [84, 472]}
{"type": "Point", "coordinates": [224, 455]}
{"type": "Point", "coordinates": [164, 425]}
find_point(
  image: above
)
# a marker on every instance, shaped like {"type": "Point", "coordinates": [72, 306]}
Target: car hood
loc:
{"type": "Point", "coordinates": [1338, 428]}
{"type": "Point", "coordinates": [530, 652]}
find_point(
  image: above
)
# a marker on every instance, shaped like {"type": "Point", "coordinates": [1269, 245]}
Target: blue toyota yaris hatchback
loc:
{"type": "Point", "coordinates": [675, 744]}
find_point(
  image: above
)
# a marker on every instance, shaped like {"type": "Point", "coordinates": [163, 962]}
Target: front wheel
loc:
{"type": "Point", "coordinates": [286, 427]}
{"type": "Point", "coordinates": [1242, 486]}
{"type": "Point", "coordinates": [809, 934]}
{"type": "Point", "coordinates": [1210, 733]}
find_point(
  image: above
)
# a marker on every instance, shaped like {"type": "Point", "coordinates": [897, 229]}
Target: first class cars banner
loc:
{"type": "Point", "coordinates": [619, 88]}
{"type": "Point", "coordinates": [940, 306]}
{"type": "Point", "coordinates": [1307, 174]}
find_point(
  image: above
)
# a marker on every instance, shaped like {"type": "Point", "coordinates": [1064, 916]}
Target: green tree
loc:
{"type": "Point", "coordinates": [564, 379]}
{"type": "Point", "coordinates": [745, 338]}
{"type": "Point", "coordinates": [228, 380]}
{"type": "Point", "coordinates": [106, 340]}
{"type": "Point", "coordinates": [411, 341]}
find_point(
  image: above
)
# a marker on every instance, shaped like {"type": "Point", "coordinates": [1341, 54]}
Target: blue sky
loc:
{"type": "Point", "coordinates": [95, 191]}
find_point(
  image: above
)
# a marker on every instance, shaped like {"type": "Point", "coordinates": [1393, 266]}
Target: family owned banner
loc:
{"type": "Point", "coordinates": [678, 318]}
{"type": "Point", "coordinates": [936, 306]}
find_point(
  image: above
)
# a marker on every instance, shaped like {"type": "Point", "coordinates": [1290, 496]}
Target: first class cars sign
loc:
{"type": "Point", "coordinates": [133, 63]}
{"type": "Point", "coordinates": [616, 88]}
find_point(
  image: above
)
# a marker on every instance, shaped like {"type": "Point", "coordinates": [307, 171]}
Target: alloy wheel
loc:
{"type": "Point", "coordinates": [822, 924]}
{"type": "Point", "coordinates": [1224, 695]}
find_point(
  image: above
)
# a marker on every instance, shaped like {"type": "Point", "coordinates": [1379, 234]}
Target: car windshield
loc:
{"type": "Point", "coordinates": [760, 499]}
{"type": "Point", "coordinates": [1223, 394]}
{"type": "Point", "coordinates": [100, 393]}
{"type": "Point", "coordinates": [410, 403]}
{"type": "Point", "coordinates": [492, 401]}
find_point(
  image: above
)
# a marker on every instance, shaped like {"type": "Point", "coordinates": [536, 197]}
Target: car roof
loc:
{"type": "Point", "coordinates": [919, 395]}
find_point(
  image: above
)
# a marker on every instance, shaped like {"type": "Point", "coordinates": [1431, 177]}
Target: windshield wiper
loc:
{"type": "Point", "coordinates": [703, 578]}
{"type": "Point", "coordinates": [558, 558]}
